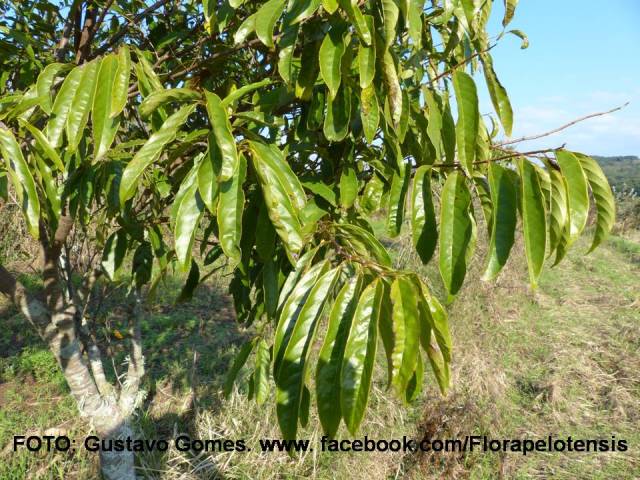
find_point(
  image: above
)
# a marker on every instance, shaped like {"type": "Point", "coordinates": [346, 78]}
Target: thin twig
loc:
{"type": "Point", "coordinates": [556, 130]}
{"type": "Point", "coordinates": [503, 157]}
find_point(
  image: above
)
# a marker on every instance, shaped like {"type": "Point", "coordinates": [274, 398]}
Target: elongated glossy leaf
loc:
{"type": "Point", "coordinates": [245, 29]}
{"type": "Point", "coordinates": [189, 211]}
{"type": "Point", "coordinates": [113, 254]}
{"type": "Point", "coordinates": [468, 118]}
{"type": "Point", "coordinates": [44, 84]}
{"type": "Point", "coordinates": [331, 355]}
{"type": "Point", "coordinates": [424, 227]}
{"type": "Point", "coordinates": [61, 106]}
{"type": "Point", "coordinates": [558, 210]}
{"type": "Point", "coordinates": [456, 231]}
{"type": "Point", "coordinates": [369, 112]}
{"type": "Point", "coordinates": [391, 13]}
{"type": "Point", "coordinates": [336, 122]}
{"type": "Point", "coordinates": [230, 208]}
{"type": "Point", "coordinates": [603, 196]}
{"type": "Point", "coordinates": [367, 59]}
{"type": "Point", "coordinates": [397, 201]}
{"type": "Point", "coordinates": [283, 214]}
{"type": "Point", "coordinates": [578, 193]}
{"type": "Point", "coordinates": [238, 362]}
{"type": "Point", "coordinates": [120, 91]}
{"type": "Point", "coordinates": [534, 219]}
{"type": "Point", "coordinates": [208, 174]}
{"type": "Point", "coordinates": [330, 58]}
{"type": "Point", "coordinates": [392, 83]}
{"type": "Point", "coordinates": [406, 332]}
{"type": "Point", "coordinates": [330, 5]}
{"type": "Point", "coordinates": [47, 149]}
{"type": "Point", "coordinates": [160, 97]}
{"type": "Point", "coordinates": [504, 198]}
{"type": "Point", "coordinates": [434, 126]}
{"type": "Point", "coordinates": [221, 128]}
{"type": "Point", "coordinates": [242, 91]}
{"type": "Point", "coordinates": [348, 185]}
{"type": "Point", "coordinates": [150, 151]}
{"type": "Point", "coordinates": [104, 126]}
{"type": "Point", "coordinates": [261, 375]}
{"type": "Point", "coordinates": [82, 104]}
{"type": "Point", "coordinates": [358, 20]}
{"type": "Point", "coordinates": [266, 18]}
{"type": "Point", "coordinates": [291, 309]}
{"type": "Point", "coordinates": [498, 95]}
{"type": "Point", "coordinates": [359, 357]}
{"type": "Point", "coordinates": [291, 376]}
{"type": "Point", "coordinates": [20, 175]}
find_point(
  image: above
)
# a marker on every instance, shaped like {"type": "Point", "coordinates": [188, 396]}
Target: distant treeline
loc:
{"type": "Point", "coordinates": [623, 172]}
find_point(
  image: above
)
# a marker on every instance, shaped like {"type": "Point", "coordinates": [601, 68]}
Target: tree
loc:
{"type": "Point", "coordinates": [264, 135]}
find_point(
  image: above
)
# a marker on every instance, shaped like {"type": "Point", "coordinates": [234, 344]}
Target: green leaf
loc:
{"type": "Point", "coordinates": [424, 226]}
{"type": "Point", "coordinates": [336, 122]}
{"type": "Point", "coordinates": [208, 174]}
{"type": "Point", "coordinates": [359, 356]}
{"type": "Point", "coordinates": [468, 118]}
{"type": "Point", "coordinates": [603, 196]}
{"type": "Point", "coordinates": [578, 193]}
{"type": "Point", "coordinates": [367, 59]}
{"type": "Point", "coordinates": [242, 91]}
{"type": "Point", "coordinates": [330, 57]}
{"type": "Point", "coordinates": [406, 332]}
{"type": "Point", "coordinates": [230, 208]}
{"type": "Point", "coordinates": [45, 83]}
{"type": "Point", "coordinates": [291, 374]}
{"type": "Point", "coordinates": [221, 128]}
{"type": "Point", "coordinates": [189, 210]}
{"type": "Point", "coordinates": [238, 362]}
{"type": "Point", "coordinates": [369, 112]}
{"type": "Point", "coordinates": [266, 18]}
{"type": "Point", "coordinates": [522, 36]}
{"type": "Point", "coordinates": [20, 175]}
{"type": "Point", "coordinates": [113, 254]}
{"type": "Point", "coordinates": [348, 185]}
{"type": "Point", "coordinates": [397, 201]}
{"type": "Point", "coordinates": [392, 83]}
{"type": "Point", "coordinates": [245, 29]}
{"type": "Point", "coordinates": [390, 13]}
{"type": "Point", "coordinates": [104, 126]}
{"type": "Point", "coordinates": [150, 152]}
{"type": "Point", "coordinates": [362, 26]}
{"type": "Point", "coordinates": [81, 104]}
{"type": "Point", "coordinates": [120, 91]}
{"type": "Point", "coordinates": [534, 219]}
{"type": "Point", "coordinates": [331, 355]}
{"type": "Point", "coordinates": [61, 106]}
{"type": "Point", "coordinates": [456, 231]}
{"type": "Point", "coordinates": [504, 198]}
{"type": "Point", "coordinates": [161, 97]}
{"type": "Point", "coordinates": [509, 10]}
{"type": "Point", "coordinates": [330, 5]}
{"type": "Point", "coordinates": [434, 126]}
{"type": "Point", "coordinates": [276, 191]}
{"type": "Point", "coordinates": [558, 210]}
{"type": "Point", "coordinates": [261, 375]}
{"type": "Point", "coordinates": [498, 95]}
{"type": "Point", "coordinates": [45, 146]}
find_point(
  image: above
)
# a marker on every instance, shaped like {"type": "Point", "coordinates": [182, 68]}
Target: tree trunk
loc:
{"type": "Point", "coordinates": [115, 465]}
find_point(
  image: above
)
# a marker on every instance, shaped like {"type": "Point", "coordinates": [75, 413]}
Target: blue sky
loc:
{"type": "Point", "coordinates": [583, 58]}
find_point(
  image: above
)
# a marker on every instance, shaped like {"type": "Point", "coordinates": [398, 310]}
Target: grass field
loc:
{"type": "Point", "coordinates": [564, 360]}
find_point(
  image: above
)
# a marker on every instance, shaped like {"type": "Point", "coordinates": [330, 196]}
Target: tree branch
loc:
{"type": "Point", "coordinates": [556, 130]}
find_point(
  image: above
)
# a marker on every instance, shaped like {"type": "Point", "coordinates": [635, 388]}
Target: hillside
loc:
{"type": "Point", "coordinates": [622, 172]}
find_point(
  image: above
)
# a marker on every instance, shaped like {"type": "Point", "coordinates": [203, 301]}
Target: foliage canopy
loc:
{"type": "Point", "coordinates": [176, 135]}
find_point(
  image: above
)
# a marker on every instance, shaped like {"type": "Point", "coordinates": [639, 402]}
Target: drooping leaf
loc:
{"type": "Point", "coordinates": [603, 196]}
{"type": "Point", "coordinates": [424, 227]}
{"type": "Point", "coordinates": [578, 193]}
{"type": "Point", "coordinates": [150, 151]}
{"type": "Point", "coordinates": [331, 355]}
{"type": "Point", "coordinates": [221, 128]}
{"type": "Point", "coordinates": [230, 208]}
{"type": "Point", "coordinates": [369, 112]}
{"type": "Point", "coordinates": [468, 118]}
{"type": "Point", "coordinates": [188, 213]}
{"type": "Point", "coordinates": [22, 180]}
{"type": "Point", "coordinates": [406, 332]}
{"type": "Point", "coordinates": [61, 106]}
{"type": "Point", "coordinates": [509, 10]}
{"type": "Point", "coordinates": [238, 362]}
{"type": "Point", "coordinates": [120, 91]}
{"type": "Point", "coordinates": [266, 18]}
{"type": "Point", "coordinates": [534, 219]}
{"type": "Point", "coordinates": [330, 57]}
{"type": "Point", "coordinates": [397, 201]}
{"type": "Point", "coordinates": [456, 231]}
{"type": "Point", "coordinates": [82, 104]}
{"type": "Point", "coordinates": [359, 357]}
{"type": "Point", "coordinates": [504, 199]}
{"type": "Point", "coordinates": [498, 95]}
{"type": "Point", "coordinates": [161, 97]}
